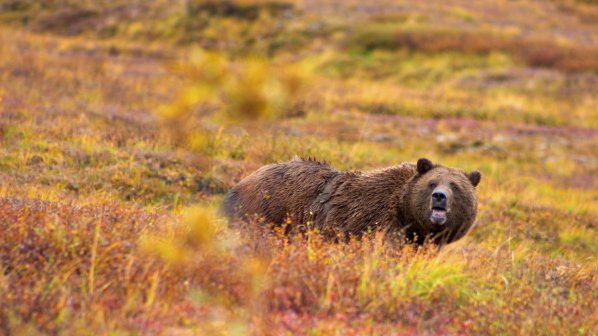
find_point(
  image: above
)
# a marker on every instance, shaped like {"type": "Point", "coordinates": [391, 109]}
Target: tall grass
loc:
{"type": "Point", "coordinates": [115, 154]}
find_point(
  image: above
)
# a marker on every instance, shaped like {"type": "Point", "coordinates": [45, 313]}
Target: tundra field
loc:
{"type": "Point", "coordinates": [124, 123]}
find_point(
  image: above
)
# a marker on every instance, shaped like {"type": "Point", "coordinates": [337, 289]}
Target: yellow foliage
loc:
{"type": "Point", "coordinates": [167, 249]}
{"type": "Point", "coordinates": [240, 90]}
{"type": "Point", "coordinates": [202, 226]}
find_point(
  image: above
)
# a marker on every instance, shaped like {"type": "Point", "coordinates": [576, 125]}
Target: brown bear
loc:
{"type": "Point", "coordinates": [424, 201]}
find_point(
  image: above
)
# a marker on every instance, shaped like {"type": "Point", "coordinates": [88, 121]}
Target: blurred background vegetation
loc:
{"type": "Point", "coordinates": [123, 124]}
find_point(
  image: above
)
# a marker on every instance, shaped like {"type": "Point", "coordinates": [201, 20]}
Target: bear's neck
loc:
{"type": "Point", "coordinates": [391, 186]}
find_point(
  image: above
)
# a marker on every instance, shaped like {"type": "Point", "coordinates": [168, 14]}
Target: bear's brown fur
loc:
{"type": "Point", "coordinates": [310, 194]}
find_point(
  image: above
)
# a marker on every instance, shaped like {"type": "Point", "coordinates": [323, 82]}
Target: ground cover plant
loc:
{"type": "Point", "coordinates": [124, 123]}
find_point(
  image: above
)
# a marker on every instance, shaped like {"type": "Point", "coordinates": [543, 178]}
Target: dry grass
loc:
{"type": "Point", "coordinates": [115, 153]}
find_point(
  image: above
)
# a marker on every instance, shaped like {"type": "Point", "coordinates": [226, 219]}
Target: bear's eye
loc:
{"type": "Point", "coordinates": [454, 186]}
{"type": "Point", "coordinates": [432, 185]}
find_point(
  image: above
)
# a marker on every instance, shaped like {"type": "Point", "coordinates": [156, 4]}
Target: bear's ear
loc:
{"type": "Point", "coordinates": [475, 177]}
{"type": "Point", "coordinates": [424, 165]}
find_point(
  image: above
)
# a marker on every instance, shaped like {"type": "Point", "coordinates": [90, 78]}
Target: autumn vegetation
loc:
{"type": "Point", "coordinates": [124, 123]}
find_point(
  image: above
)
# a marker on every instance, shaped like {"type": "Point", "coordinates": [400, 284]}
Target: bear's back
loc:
{"type": "Point", "coordinates": [278, 191]}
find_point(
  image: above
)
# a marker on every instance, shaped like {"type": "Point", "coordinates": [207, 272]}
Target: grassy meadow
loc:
{"type": "Point", "coordinates": [124, 123]}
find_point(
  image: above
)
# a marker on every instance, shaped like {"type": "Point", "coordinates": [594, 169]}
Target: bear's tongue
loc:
{"type": "Point", "coordinates": [438, 213]}
{"type": "Point", "coordinates": [438, 216]}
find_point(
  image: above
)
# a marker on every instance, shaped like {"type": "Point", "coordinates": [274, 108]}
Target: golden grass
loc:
{"type": "Point", "coordinates": [109, 224]}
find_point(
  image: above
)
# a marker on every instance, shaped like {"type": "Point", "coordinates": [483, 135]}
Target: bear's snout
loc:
{"type": "Point", "coordinates": [439, 206]}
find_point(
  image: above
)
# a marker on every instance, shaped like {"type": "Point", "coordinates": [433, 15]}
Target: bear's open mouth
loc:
{"type": "Point", "coordinates": [438, 215]}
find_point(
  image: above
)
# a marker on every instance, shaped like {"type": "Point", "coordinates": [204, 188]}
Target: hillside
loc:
{"type": "Point", "coordinates": [124, 123]}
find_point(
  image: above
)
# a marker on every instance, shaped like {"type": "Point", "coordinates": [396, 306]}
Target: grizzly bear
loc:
{"type": "Point", "coordinates": [423, 201]}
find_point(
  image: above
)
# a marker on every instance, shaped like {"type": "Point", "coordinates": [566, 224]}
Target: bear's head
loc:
{"type": "Point", "coordinates": [442, 202]}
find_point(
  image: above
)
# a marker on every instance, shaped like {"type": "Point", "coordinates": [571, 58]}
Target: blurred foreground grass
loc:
{"type": "Point", "coordinates": [119, 140]}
